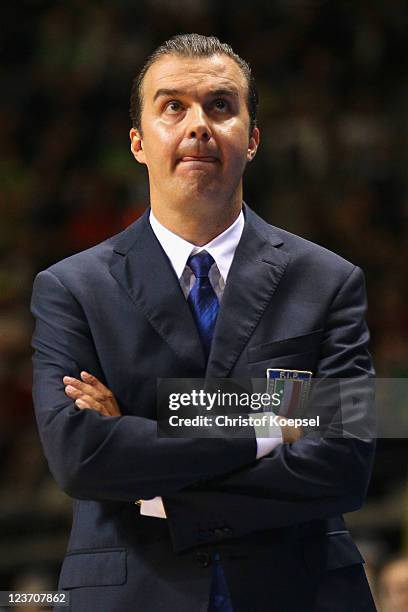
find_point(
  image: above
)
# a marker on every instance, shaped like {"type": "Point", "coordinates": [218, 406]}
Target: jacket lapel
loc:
{"type": "Point", "coordinates": [141, 267]}
{"type": "Point", "coordinates": [256, 270]}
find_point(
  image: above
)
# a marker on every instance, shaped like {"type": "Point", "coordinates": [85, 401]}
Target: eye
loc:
{"type": "Point", "coordinates": [221, 104]}
{"type": "Point", "coordinates": [173, 107]}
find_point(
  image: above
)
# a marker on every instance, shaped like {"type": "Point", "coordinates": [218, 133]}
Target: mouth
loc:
{"type": "Point", "coordinates": [206, 159]}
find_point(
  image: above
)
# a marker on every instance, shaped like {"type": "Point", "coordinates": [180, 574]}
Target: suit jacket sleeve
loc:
{"type": "Point", "coordinates": [107, 458]}
{"type": "Point", "coordinates": [313, 478]}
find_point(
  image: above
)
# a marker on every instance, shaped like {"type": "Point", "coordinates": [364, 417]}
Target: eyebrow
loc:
{"type": "Point", "coordinates": [180, 92]}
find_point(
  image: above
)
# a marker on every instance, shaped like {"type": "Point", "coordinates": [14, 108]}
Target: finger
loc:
{"type": "Point", "coordinates": [75, 382]}
{"type": "Point", "coordinates": [101, 395]}
{"type": "Point", "coordinates": [103, 391]}
{"type": "Point", "coordinates": [83, 406]}
{"type": "Point", "coordinates": [73, 392]}
{"type": "Point", "coordinates": [91, 403]}
{"type": "Point", "coordinates": [83, 398]}
{"type": "Point", "coordinates": [88, 403]}
{"type": "Point", "coordinates": [89, 378]}
{"type": "Point", "coordinates": [86, 379]}
{"type": "Point", "coordinates": [81, 387]}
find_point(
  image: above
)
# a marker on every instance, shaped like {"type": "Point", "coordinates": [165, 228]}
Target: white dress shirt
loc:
{"type": "Point", "coordinates": [222, 249]}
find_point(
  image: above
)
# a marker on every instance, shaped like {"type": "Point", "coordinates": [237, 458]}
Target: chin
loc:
{"type": "Point", "coordinates": [199, 184]}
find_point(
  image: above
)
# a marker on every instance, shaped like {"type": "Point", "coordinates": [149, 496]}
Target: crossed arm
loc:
{"type": "Point", "coordinates": [90, 393]}
{"type": "Point", "coordinates": [314, 469]}
{"type": "Point", "coordinates": [96, 456]}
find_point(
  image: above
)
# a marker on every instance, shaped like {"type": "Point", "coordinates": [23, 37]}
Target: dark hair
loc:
{"type": "Point", "coordinates": [192, 45]}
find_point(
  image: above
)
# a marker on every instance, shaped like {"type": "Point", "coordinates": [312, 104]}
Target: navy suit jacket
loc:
{"type": "Point", "coordinates": [117, 311]}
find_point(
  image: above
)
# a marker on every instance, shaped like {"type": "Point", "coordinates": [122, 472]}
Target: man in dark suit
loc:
{"type": "Point", "coordinates": [199, 286]}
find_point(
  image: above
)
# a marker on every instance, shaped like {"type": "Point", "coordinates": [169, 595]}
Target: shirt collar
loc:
{"type": "Point", "coordinates": [221, 248]}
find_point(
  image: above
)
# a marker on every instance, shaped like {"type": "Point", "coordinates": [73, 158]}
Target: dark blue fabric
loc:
{"type": "Point", "coordinates": [220, 600]}
{"type": "Point", "coordinates": [202, 298]}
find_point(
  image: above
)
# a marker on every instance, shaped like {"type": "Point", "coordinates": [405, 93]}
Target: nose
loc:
{"type": "Point", "coordinates": [198, 126]}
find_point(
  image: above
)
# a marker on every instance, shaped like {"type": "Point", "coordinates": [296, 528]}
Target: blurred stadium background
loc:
{"type": "Point", "coordinates": [332, 166]}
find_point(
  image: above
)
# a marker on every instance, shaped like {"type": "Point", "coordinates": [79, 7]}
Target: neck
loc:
{"type": "Point", "coordinates": [198, 223]}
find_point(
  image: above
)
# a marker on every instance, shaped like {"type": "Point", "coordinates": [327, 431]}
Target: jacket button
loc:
{"type": "Point", "coordinates": [203, 559]}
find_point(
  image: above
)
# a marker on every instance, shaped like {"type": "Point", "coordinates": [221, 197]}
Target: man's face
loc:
{"type": "Point", "coordinates": [195, 136]}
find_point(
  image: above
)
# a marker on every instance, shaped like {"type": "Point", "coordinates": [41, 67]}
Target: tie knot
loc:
{"type": "Point", "coordinates": [200, 264]}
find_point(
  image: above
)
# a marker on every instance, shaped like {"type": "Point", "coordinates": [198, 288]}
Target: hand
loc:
{"type": "Point", "coordinates": [90, 393]}
{"type": "Point", "coordinates": [291, 434]}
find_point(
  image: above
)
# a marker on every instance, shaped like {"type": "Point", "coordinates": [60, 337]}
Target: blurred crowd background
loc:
{"type": "Point", "coordinates": [332, 166]}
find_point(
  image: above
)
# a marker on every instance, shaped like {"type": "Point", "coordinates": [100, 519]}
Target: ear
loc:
{"type": "Point", "coordinates": [136, 145]}
{"type": "Point", "coordinates": [253, 144]}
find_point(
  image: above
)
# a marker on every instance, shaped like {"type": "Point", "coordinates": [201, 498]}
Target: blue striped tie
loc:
{"type": "Point", "coordinates": [202, 299]}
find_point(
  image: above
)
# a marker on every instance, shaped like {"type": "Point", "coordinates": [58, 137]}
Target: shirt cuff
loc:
{"type": "Point", "coordinates": [153, 507]}
{"type": "Point", "coordinates": [268, 437]}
